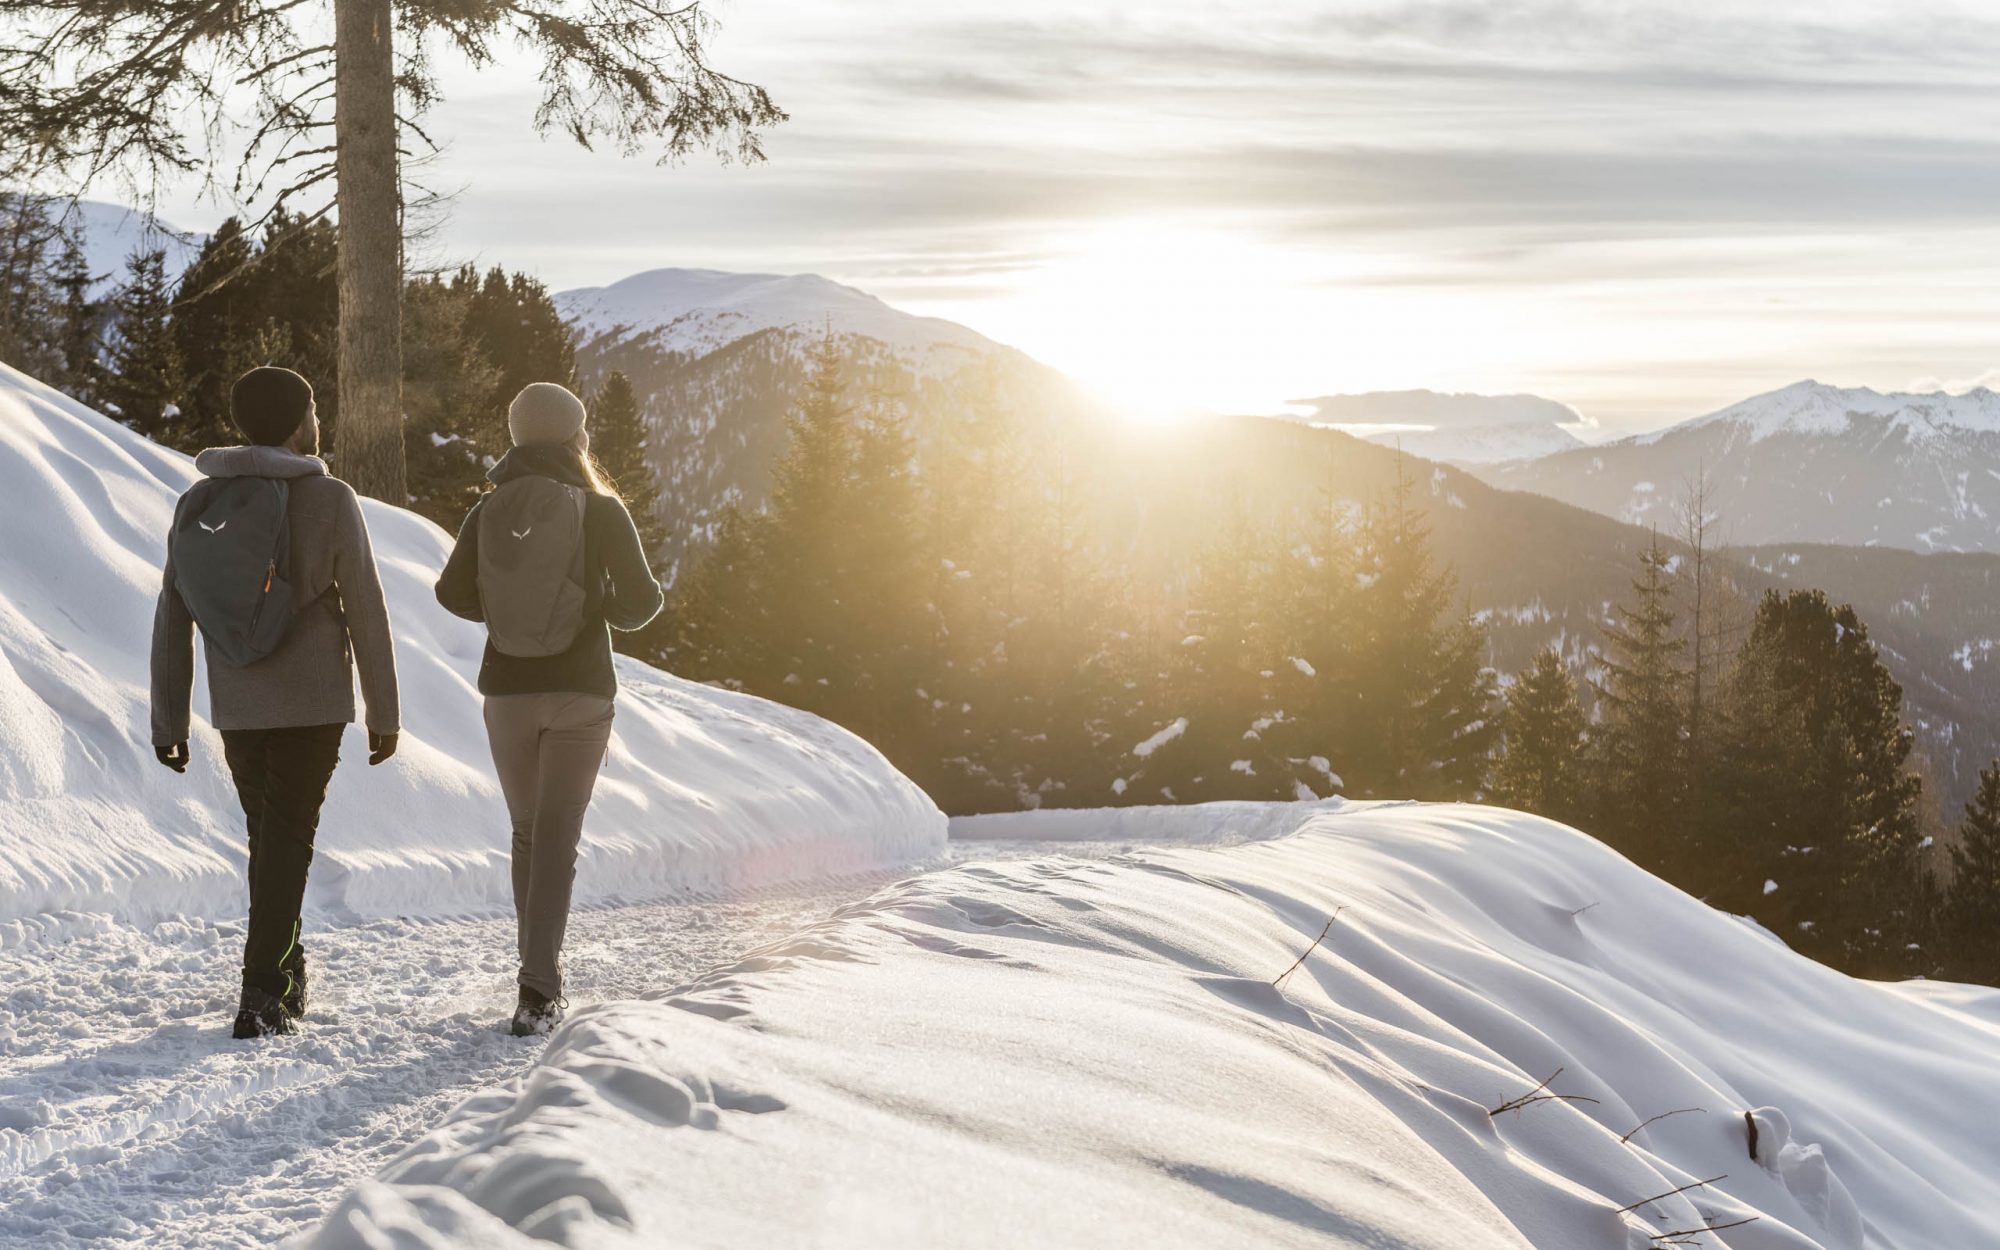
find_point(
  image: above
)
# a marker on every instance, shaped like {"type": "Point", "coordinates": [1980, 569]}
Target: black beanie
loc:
{"type": "Point", "coordinates": [269, 403]}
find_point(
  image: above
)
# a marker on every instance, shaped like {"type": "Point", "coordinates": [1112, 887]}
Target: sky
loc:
{"type": "Point", "coordinates": [1644, 210]}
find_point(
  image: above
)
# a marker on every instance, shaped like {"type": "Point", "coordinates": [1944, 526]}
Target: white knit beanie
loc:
{"type": "Point", "coordinates": [544, 413]}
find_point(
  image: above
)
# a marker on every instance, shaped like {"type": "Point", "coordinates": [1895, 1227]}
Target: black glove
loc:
{"type": "Point", "coordinates": [380, 747]}
{"type": "Point", "coordinates": [175, 757]}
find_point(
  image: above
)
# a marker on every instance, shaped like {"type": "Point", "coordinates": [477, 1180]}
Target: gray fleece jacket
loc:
{"type": "Point", "coordinates": [341, 621]}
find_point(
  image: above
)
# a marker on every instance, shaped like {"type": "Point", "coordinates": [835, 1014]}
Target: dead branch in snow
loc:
{"type": "Point", "coordinates": [1671, 1192]}
{"type": "Point", "coordinates": [1663, 1115]}
{"type": "Point", "coordinates": [1692, 1236]}
{"type": "Point", "coordinates": [1280, 982]}
{"type": "Point", "coordinates": [1537, 1094]}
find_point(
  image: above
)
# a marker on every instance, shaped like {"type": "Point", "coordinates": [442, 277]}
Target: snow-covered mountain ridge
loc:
{"type": "Point", "coordinates": [697, 311]}
{"type": "Point", "coordinates": [1807, 463]}
{"type": "Point", "coordinates": [1815, 408]}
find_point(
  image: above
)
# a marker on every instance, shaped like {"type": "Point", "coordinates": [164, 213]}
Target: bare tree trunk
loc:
{"type": "Point", "coordinates": [368, 445]}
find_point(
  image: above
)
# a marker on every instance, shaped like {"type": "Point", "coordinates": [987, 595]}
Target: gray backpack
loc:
{"type": "Point", "coordinates": [231, 550]}
{"type": "Point", "coordinates": [531, 575]}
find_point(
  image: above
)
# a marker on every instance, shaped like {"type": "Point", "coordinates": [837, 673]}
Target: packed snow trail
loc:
{"type": "Point", "coordinates": [128, 1117]}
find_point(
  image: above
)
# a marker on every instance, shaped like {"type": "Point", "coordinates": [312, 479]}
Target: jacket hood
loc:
{"type": "Point", "coordinates": [559, 461]}
{"type": "Point", "coordinates": [256, 461]}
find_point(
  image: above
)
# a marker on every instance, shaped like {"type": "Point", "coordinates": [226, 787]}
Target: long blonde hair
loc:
{"type": "Point", "coordinates": [593, 472]}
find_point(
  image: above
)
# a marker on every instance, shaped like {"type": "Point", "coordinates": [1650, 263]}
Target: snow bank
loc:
{"type": "Point", "coordinates": [1065, 1052]}
{"type": "Point", "coordinates": [704, 790]}
{"type": "Point", "coordinates": [1226, 821]}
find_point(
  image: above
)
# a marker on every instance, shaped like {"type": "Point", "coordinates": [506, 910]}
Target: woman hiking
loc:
{"type": "Point", "coordinates": [549, 559]}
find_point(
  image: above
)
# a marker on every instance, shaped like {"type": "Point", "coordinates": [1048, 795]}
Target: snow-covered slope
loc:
{"type": "Point", "coordinates": [696, 311]}
{"type": "Point", "coordinates": [1159, 1051]}
{"type": "Point", "coordinates": [1807, 463]}
{"type": "Point", "coordinates": [703, 788]}
{"type": "Point", "coordinates": [1455, 428]}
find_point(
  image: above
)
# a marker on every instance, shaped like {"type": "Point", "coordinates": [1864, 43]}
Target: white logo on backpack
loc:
{"type": "Point", "coordinates": [516, 533]}
{"type": "Point", "coordinates": [213, 529]}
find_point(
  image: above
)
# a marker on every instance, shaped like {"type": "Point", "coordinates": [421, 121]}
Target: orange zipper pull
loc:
{"type": "Point", "coordinates": [270, 571]}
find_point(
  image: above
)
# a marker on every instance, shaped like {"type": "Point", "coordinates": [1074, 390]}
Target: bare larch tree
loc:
{"type": "Point", "coordinates": [313, 105]}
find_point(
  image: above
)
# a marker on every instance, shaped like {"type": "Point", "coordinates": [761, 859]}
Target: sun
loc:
{"type": "Point", "coordinates": [1165, 319]}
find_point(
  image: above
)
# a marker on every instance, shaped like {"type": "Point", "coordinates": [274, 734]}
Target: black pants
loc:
{"type": "Point", "coordinates": [281, 775]}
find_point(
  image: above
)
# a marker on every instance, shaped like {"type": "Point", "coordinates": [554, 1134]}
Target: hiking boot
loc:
{"type": "Point", "coordinates": [260, 1013]}
{"type": "Point", "coordinates": [537, 1014]}
{"type": "Point", "coordinates": [294, 996]}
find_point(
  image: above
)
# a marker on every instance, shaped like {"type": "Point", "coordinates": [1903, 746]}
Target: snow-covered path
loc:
{"type": "Point", "coordinates": [128, 1117]}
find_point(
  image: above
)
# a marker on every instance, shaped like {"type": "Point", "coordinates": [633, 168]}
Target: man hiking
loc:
{"type": "Point", "coordinates": [270, 557]}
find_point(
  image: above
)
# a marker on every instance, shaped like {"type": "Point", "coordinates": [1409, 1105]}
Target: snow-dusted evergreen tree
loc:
{"type": "Point", "coordinates": [1641, 805]}
{"type": "Point", "coordinates": [1421, 722]}
{"type": "Point", "coordinates": [145, 380]}
{"type": "Point", "coordinates": [1221, 678]}
{"type": "Point", "coordinates": [216, 324]}
{"type": "Point", "coordinates": [249, 300]}
{"type": "Point", "coordinates": [1542, 767]}
{"type": "Point", "coordinates": [449, 389]}
{"type": "Point", "coordinates": [1819, 821]}
{"type": "Point", "coordinates": [1973, 913]}
{"type": "Point", "coordinates": [619, 441]}
{"type": "Point", "coordinates": [80, 332]}
{"type": "Point", "coordinates": [29, 312]}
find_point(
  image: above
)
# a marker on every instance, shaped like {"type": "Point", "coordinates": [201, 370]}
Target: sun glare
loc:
{"type": "Point", "coordinates": [1165, 322]}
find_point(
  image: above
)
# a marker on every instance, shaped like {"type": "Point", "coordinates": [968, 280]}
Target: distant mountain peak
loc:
{"type": "Point", "coordinates": [1815, 408]}
{"type": "Point", "coordinates": [699, 310]}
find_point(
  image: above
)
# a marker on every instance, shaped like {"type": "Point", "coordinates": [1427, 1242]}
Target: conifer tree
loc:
{"type": "Point", "coordinates": [619, 443]}
{"type": "Point", "coordinates": [1422, 703]}
{"type": "Point", "coordinates": [1541, 767]}
{"type": "Point", "coordinates": [1821, 840]}
{"type": "Point", "coordinates": [144, 381]}
{"type": "Point", "coordinates": [803, 550]}
{"type": "Point", "coordinates": [1319, 664]}
{"type": "Point", "coordinates": [716, 624]}
{"type": "Point", "coordinates": [215, 325]}
{"type": "Point", "coordinates": [1973, 911]}
{"type": "Point", "coordinates": [448, 383]}
{"type": "Point", "coordinates": [1641, 805]}
{"type": "Point", "coordinates": [80, 338]}
{"type": "Point", "coordinates": [28, 312]}
{"type": "Point", "coordinates": [1222, 678]}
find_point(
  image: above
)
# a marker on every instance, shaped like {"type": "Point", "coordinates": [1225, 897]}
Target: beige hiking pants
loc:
{"type": "Point", "coordinates": [547, 749]}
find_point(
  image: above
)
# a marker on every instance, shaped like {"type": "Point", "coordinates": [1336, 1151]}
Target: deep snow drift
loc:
{"type": "Point", "coordinates": [1062, 1052]}
{"type": "Point", "coordinates": [704, 790]}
